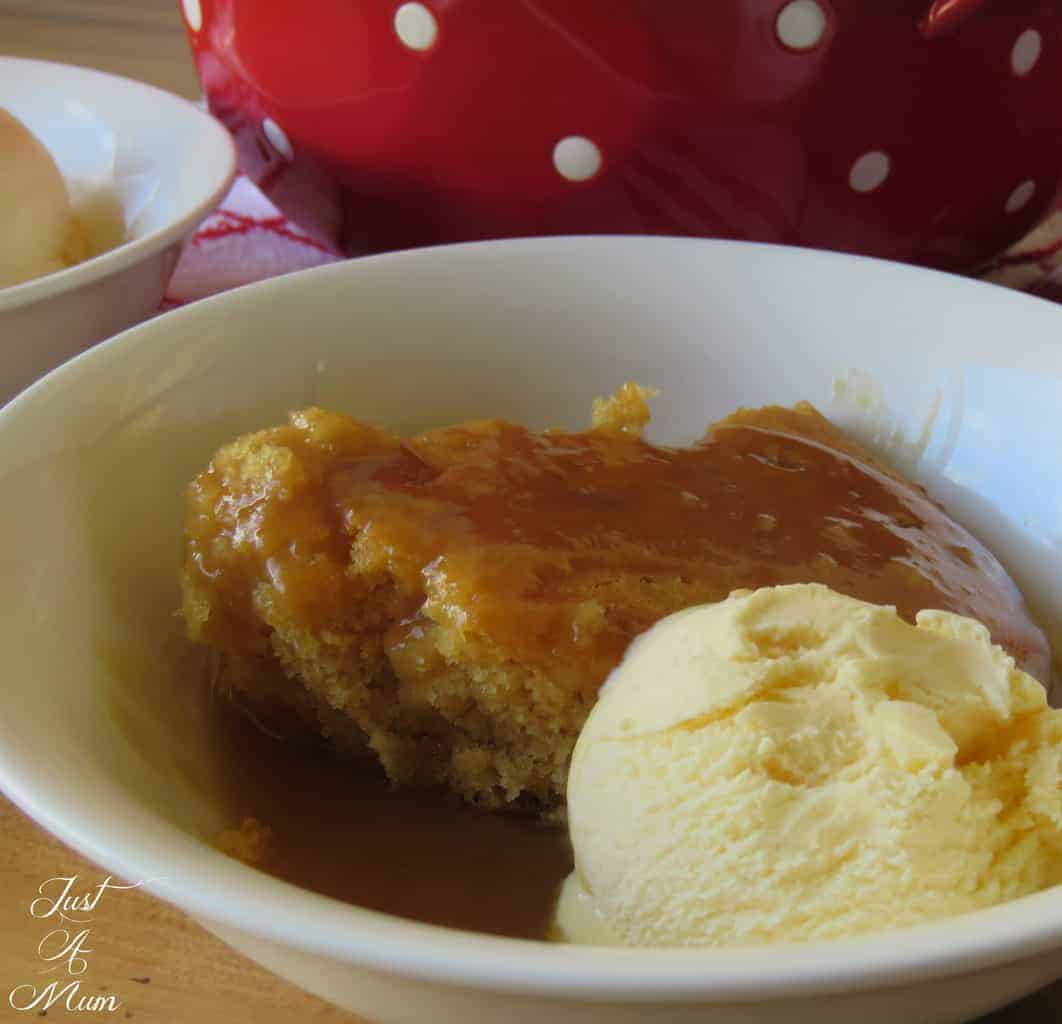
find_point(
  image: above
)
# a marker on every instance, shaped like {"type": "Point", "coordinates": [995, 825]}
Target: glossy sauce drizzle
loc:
{"type": "Point", "coordinates": [560, 547]}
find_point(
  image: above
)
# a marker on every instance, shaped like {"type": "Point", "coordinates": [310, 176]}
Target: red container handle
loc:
{"type": "Point", "coordinates": [944, 15]}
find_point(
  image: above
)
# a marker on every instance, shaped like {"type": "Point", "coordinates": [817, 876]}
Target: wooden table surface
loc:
{"type": "Point", "coordinates": [152, 959]}
{"type": "Point", "coordinates": [141, 39]}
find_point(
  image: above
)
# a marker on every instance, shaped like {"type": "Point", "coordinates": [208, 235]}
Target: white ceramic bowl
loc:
{"type": "Point", "coordinates": [96, 746]}
{"type": "Point", "coordinates": [174, 162]}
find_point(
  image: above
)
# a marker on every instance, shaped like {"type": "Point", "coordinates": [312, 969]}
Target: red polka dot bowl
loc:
{"type": "Point", "coordinates": [909, 129]}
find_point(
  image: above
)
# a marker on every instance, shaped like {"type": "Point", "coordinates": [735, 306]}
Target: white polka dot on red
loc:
{"type": "Point", "coordinates": [1020, 197]}
{"type": "Point", "coordinates": [576, 158]}
{"type": "Point", "coordinates": [277, 138]}
{"type": "Point", "coordinates": [1026, 52]}
{"type": "Point", "coordinates": [870, 171]}
{"type": "Point", "coordinates": [416, 27]}
{"type": "Point", "coordinates": [193, 14]}
{"type": "Point", "coordinates": [801, 25]}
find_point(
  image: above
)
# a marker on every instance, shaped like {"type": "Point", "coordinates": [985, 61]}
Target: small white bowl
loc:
{"type": "Point", "coordinates": [102, 739]}
{"type": "Point", "coordinates": [174, 161]}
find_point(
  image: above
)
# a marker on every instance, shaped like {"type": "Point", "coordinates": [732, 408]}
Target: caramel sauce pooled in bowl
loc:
{"type": "Point", "coordinates": [340, 829]}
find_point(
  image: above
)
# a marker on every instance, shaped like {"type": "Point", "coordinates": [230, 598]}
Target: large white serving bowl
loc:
{"type": "Point", "coordinates": [173, 162]}
{"type": "Point", "coordinates": [102, 738]}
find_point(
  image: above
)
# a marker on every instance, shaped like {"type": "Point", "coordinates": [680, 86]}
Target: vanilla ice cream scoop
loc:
{"type": "Point", "coordinates": [40, 233]}
{"type": "Point", "coordinates": [791, 764]}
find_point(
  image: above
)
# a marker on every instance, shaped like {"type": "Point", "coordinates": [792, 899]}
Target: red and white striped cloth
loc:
{"type": "Point", "coordinates": [245, 239]}
{"type": "Point", "coordinates": [248, 239]}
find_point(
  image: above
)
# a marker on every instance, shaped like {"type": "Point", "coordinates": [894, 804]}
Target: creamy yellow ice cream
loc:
{"type": "Point", "coordinates": [791, 764]}
{"type": "Point", "coordinates": [41, 234]}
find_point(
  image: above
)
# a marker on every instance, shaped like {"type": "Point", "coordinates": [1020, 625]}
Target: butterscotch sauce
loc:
{"type": "Point", "coordinates": [341, 830]}
{"type": "Point", "coordinates": [560, 547]}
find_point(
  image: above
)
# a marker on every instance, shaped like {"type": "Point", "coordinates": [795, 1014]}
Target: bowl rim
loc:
{"type": "Point", "coordinates": [230, 895]}
{"type": "Point", "coordinates": [127, 254]}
